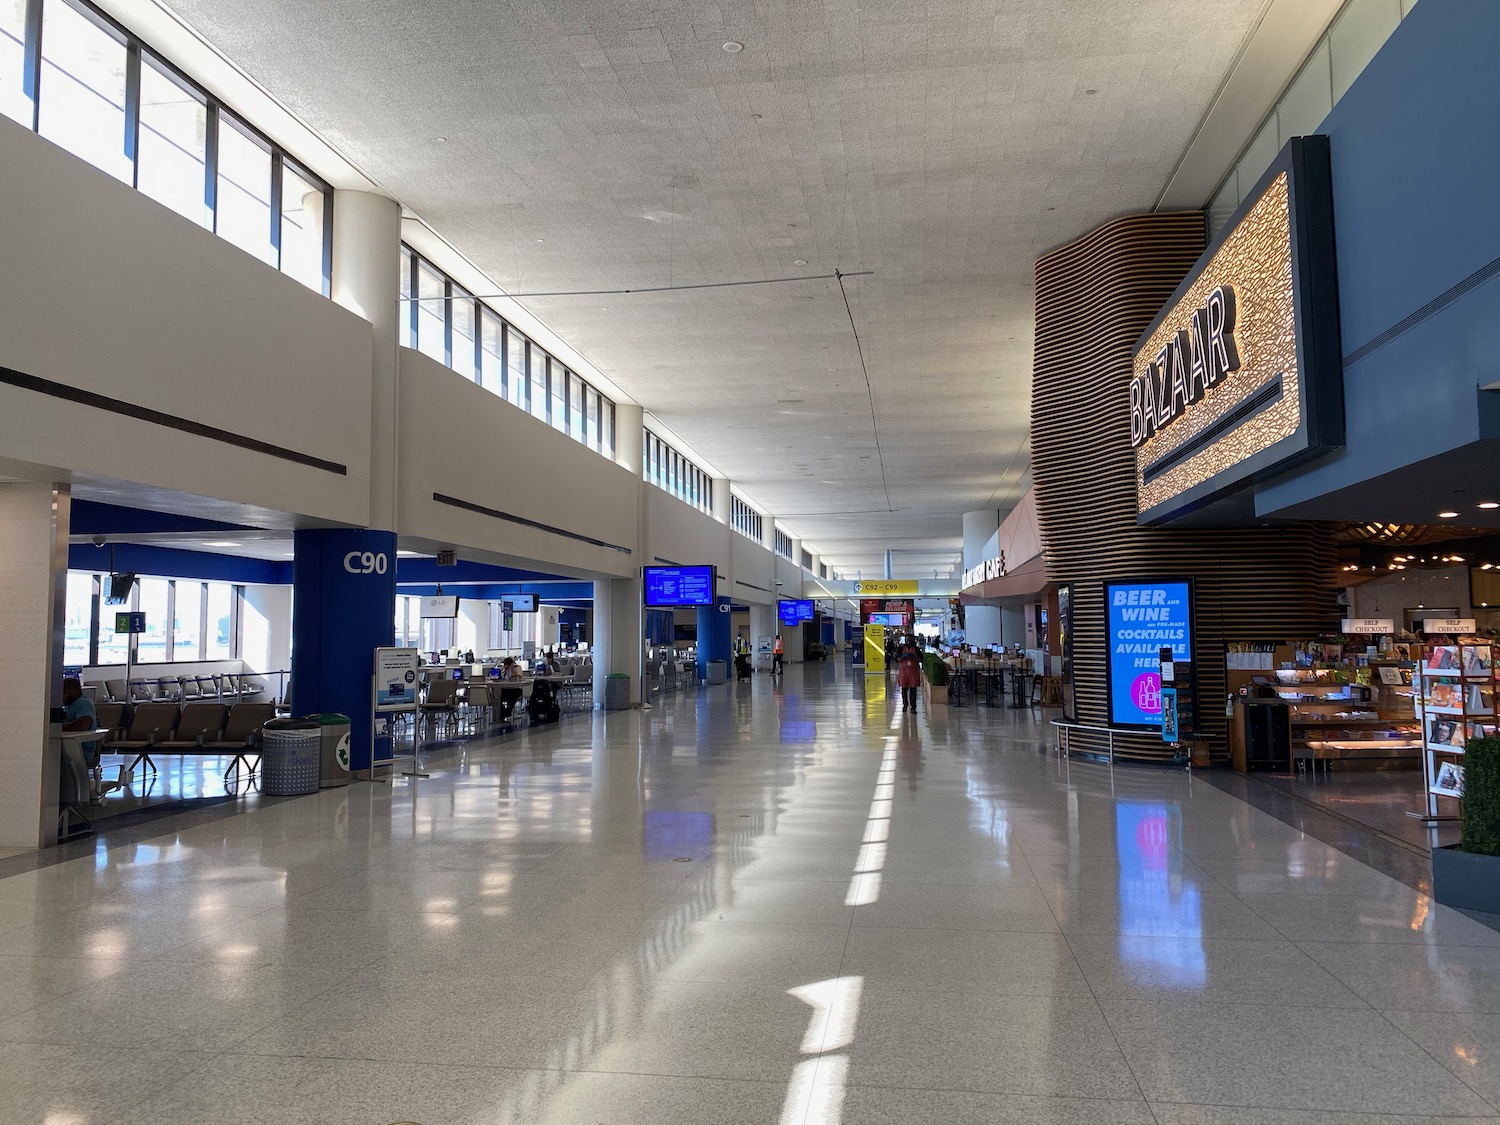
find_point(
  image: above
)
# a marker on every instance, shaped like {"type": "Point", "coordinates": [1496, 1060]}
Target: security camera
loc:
{"type": "Point", "coordinates": [98, 540]}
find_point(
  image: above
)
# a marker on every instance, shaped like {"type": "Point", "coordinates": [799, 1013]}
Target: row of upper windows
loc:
{"type": "Point", "coordinates": [77, 78]}
{"type": "Point", "coordinates": [783, 544]}
{"type": "Point", "coordinates": [671, 471]}
{"type": "Point", "coordinates": [447, 323]}
{"type": "Point", "coordinates": [746, 520]}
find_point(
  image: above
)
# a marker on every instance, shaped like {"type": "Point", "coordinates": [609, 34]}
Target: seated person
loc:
{"type": "Point", "coordinates": [79, 714]}
{"type": "Point", "coordinates": [510, 672]}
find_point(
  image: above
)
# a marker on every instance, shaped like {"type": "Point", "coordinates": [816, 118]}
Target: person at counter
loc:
{"type": "Point", "coordinates": [79, 714]}
{"type": "Point", "coordinates": [510, 673]}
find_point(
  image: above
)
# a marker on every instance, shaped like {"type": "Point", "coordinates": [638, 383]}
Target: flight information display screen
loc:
{"type": "Point", "coordinates": [669, 586]}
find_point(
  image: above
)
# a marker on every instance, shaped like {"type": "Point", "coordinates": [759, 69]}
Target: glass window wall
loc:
{"type": "Point", "coordinates": [492, 352]}
{"type": "Point", "coordinates": [172, 145]}
{"type": "Point", "coordinates": [242, 202]}
{"type": "Point", "coordinates": [78, 624]}
{"type": "Point", "coordinates": [15, 103]}
{"type": "Point", "coordinates": [218, 638]}
{"type": "Point", "coordinates": [82, 89]}
{"type": "Point", "coordinates": [187, 620]}
{"type": "Point", "coordinates": [432, 288]}
{"type": "Point", "coordinates": [154, 645]}
{"type": "Point", "coordinates": [303, 208]}
{"type": "Point", "coordinates": [462, 306]}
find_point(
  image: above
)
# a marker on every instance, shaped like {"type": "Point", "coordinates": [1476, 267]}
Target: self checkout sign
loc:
{"type": "Point", "coordinates": [130, 623]}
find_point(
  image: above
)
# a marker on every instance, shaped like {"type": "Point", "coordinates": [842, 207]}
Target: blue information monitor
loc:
{"type": "Point", "coordinates": [668, 586]}
{"type": "Point", "coordinates": [795, 611]}
{"type": "Point", "coordinates": [1143, 618]}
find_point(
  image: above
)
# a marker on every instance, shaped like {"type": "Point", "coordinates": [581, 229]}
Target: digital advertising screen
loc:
{"type": "Point", "coordinates": [667, 586]}
{"type": "Point", "coordinates": [889, 620]}
{"type": "Point", "coordinates": [1143, 618]}
{"type": "Point", "coordinates": [521, 603]}
{"type": "Point", "coordinates": [797, 612]}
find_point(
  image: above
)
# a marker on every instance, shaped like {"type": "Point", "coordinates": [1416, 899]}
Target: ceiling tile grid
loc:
{"type": "Point", "coordinates": [941, 144]}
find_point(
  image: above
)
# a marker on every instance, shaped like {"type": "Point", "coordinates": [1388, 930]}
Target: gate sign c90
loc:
{"type": "Point", "coordinates": [366, 562]}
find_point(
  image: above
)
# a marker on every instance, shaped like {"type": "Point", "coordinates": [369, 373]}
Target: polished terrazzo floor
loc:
{"type": "Point", "coordinates": [756, 904]}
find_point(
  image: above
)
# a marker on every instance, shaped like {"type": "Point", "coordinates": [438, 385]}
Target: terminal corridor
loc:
{"type": "Point", "coordinates": [758, 903]}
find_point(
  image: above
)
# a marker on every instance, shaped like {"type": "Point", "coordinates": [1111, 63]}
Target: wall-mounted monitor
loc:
{"type": "Point", "coordinates": [666, 587]}
{"type": "Point", "coordinates": [440, 605]}
{"type": "Point", "coordinates": [795, 611]}
{"type": "Point", "coordinates": [520, 603]}
{"type": "Point", "coordinates": [120, 586]}
{"type": "Point", "coordinates": [889, 620]}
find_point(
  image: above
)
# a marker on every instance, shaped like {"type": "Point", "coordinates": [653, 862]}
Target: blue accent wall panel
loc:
{"type": "Point", "coordinates": [714, 640]}
{"type": "Point", "coordinates": [169, 562]}
{"type": "Point", "coordinates": [343, 608]}
{"type": "Point", "coordinates": [1415, 171]}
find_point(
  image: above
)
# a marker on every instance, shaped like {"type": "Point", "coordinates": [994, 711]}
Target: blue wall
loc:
{"type": "Point", "coordinates": [169, 562]}
{"type": "Point", "coordinates": [1415, 175]}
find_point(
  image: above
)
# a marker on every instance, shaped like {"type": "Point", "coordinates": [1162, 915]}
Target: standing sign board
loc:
{"type": "Point", "coordinates": [875, 648]}
{"type": "Point", "coordinates": [1143, 618]}
{"type": "Point", "coordinates": [395, 679]}
{"type": "Point", "coordinates": [392, 691]}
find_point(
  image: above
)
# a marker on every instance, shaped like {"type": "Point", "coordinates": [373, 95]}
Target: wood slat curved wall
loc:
{"type": "Point", "coordinates": [1094, 297]}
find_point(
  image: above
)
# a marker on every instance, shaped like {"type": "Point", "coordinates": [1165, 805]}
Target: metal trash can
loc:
{"type": "Point", "coordinates": [289, 757]}
{"type": "Point", "coordinates": [718, 672]}
{"type": "Point", "coordinates": [333, 753]}
{"type": "Point", "coordinates": [617, 692]}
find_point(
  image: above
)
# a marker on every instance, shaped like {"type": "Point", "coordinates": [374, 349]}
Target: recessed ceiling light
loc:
{"type": "Point", "coordinates": [1447, 515]}
{"type": "Point", "coordinates": [221, 543]}
{"type": "Point", "coordinates": [734, 48]}
{"type": "Point", "coordinates": [442, 140]}
{"type": "Point", "coordinates": [1489, 504]}
{"type": "Point", "coordinates": [800, 262]}
{"type": "Point", "coordinates": [1091, 91]}
{"type": "Point", "coordinates": [541, 240]}
{"type": "Point", "coordinates": [604, 307]}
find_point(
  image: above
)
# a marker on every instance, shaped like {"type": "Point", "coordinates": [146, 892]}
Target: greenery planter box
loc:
{"type": "Point", "coordinates": [937, 694]}
{"type": "Point", "coordinates": [1466, 880]}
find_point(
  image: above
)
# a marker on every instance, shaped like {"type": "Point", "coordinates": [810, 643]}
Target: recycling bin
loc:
{"type": "Point", "coordinates": [718, 672]}
{"type": "Point", "coordinates": [617, 692]}
{"type": "Point", "coordinates": [333, 750]}
{"type": "Point", "coordinates": [289, 755]}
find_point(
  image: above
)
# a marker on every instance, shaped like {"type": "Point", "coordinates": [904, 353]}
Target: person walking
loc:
{"type": "Point", "coordinates": [777, 652]}
{"type": "Point", "coordinates": [909, 674]}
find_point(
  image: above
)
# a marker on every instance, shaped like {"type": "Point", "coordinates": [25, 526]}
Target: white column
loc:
{"type": "Point", "coordinates": [366, 280]}
{"type": "Point", "coordinates": [1013, 624]}
{"type": "Point", "coordinates": [33, 593]}
{"type": "Point", "coordinates": [981, 622]}
{"type": "Point", "coordinates": [619, 621]}
{"type": "Point", "coordinates": [472, 628]}
{"type": "Point", "coordinates": [619, 636]}
{"type": "Point", "coordinates": [629, 445]}
{"type": "Point", "coordinates": [266, 641]}
{"type": "Point", "coordinates": [721, 500]}
{"type": "Point", "coordinates": [762, 626]}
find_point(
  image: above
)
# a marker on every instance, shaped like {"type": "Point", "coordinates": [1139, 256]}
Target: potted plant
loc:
{"type": "Point", "coordinates": [1468, 876]}
{"type": "Point", "coordinates": [935, 673]}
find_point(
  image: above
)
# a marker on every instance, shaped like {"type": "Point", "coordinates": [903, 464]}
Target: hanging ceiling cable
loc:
{"type": "Point", "coordinates": [652, 289]}
{"type": "Point", "coordinates": [869, 390]}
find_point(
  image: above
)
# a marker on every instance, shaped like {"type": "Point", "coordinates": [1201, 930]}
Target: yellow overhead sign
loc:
{"type": "Point", "coordinates": [886, 587]}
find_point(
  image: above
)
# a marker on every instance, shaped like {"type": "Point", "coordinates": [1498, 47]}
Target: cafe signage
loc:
{"type": "Point", "coordinates": [1240, 376]}
{"type": "Point", "coordinates": [990, 568]}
